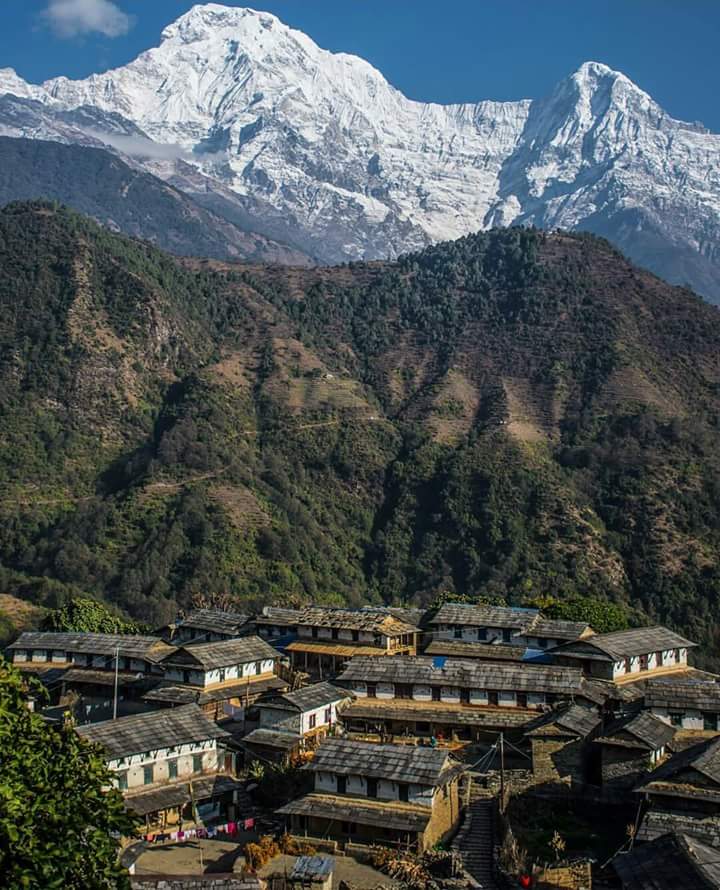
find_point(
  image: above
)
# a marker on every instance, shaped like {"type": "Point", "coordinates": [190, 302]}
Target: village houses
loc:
{"type": "Point", "coordinates": [328, 638]}
{"type": "Point", "coordinates": [627, 655]}
{"type": "Point", "coordinates": [296, 721]}
{"type": "Point", "coordinates": [171, 766]}
{"type": "Point", "coordinates": [505, 625]}
{"type": "Point", "coordinates": [364, 793]}
{"type": "Point", "coordinates": [441, 697]}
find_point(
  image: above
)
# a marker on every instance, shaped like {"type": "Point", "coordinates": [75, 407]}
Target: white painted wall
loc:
{"type": "Point", "coordinates": [133, 765]}
{"type": "Point", "coordinates": [357, 786]}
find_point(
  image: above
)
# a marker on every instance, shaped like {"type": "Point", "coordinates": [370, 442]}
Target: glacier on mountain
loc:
{"type": "Point", "coordinates": [318, 149]}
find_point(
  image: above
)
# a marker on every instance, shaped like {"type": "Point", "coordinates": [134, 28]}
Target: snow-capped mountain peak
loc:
{"type": "Point", "coordinates": [320, 148]}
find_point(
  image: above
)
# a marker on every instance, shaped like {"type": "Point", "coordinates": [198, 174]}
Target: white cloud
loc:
{"type": "Point", "coordinates": [141, 147]}
{"type": "Point", "coordinates": [73, 18]}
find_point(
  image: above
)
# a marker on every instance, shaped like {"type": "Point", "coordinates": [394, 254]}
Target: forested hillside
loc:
{"type": "Point", "coordinates": [513, 414]}
{"type": "Point", "coordinates": [128, 200]}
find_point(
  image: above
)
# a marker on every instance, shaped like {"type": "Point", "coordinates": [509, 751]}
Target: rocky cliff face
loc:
{"type": "Point", "coordinates": [318, 149]}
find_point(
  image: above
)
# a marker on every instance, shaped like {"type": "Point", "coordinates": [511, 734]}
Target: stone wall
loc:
{"type": "Point", "coordinates": [623, 767]}
{"type": "Point", "coordinates": [577, 876]}
{"type": "Point", "coordinates": [558, 760]}
{"type": "Point", "coordinates": [197, 882]}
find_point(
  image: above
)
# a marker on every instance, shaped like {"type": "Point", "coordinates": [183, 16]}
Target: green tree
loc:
{"type": "Point", "coordinates": [58, 828]}
{"type": "Point", "coordinates": [88, 616]}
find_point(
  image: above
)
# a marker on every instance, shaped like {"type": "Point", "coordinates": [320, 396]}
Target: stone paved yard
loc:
{"type": "Point", "coordinates": [362, 877]}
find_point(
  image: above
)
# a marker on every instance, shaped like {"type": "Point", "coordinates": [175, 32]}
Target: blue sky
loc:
{"type": "Point", "coordinates": [450, 51]}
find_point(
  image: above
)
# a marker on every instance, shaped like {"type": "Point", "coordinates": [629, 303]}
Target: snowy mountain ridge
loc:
{"type": "Point", "coordinates": [320, 150]}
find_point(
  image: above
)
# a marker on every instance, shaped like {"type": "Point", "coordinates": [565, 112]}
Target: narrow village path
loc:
{"type": "Point", "coordinates": [474, 843]}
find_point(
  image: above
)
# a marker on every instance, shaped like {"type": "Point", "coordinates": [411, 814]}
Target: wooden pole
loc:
{"type": "Point", "coordinates": [115, 691]}
{"type": "Point", "coordinates": [502, 771]}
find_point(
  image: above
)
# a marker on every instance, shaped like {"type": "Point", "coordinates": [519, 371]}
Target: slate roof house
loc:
{"type": "Point", "coordinates": [441, 697]}
{"type": "Point", "coordinates": [294, 721]}
{"type": "Point", "coordinates": [684, 701]}
{"type": "Point", "coordinates": [170, 765]}
{"type": "Point", "coordinates": [277, 625]}
{"type": "Point", "coordinates": [670, 862]}
{"type": "Point", "coordinates": [559, 746]}
{"type": "Point", "coordinates": [85, 663]}
{"type": "Point", "coordinates": [209, 626]}
{"type": "Point", "coordinates": [683, 794]}
{"type": "Point", "coordinates": [630, 747]}
{"type": "Point", "coordinates": [395, 795]}
{"type": "Point", "coordinates": [504, 624]}
{"type": "Point", "coordinates": [221, 676]}
{"type": "Point", "coordinates": [628, 655]}
{"type": "Point", "coordinates": [328, 638]}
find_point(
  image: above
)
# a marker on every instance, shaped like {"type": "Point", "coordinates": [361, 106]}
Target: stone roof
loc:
{"type": "Point", "coordinates": [278, 616]}
{"type": "Point", "coordinates": [624, 643]}
{"type": "Point", "coordinates": [483, 651]}
{"type": "Point", "coordinates": [484, 616]}
{"type": "Point", "coordinates": [671, 862]}
{"type": "Point", "coordinates": [379, 709]}
{"type": "Point", "coordinates": [354, 619]}
{"type": "Point", "coordinates": [365, 811]}
{"type": "Point", "coordinates": [575, 720]}
{"type": "Point", "coordinates": [271, 738]}
{"type": "Point", "coordinates": [148, 732]}
{"type": "Point", "coordinates": [465, 674]}
{"type": "Point", "coordinates": [148, 648]}
{"type": "Point", "coordinates": [682, 692]}
{"type": "Point", "coordinates": [643, 731]}
{"type": "Point", "coordinates": [558, 629]}
{"type": "Point", "coordinates": [173, 794]}
{"type": "Point", "coordinates": [222, 653]}
{"type": "Point", "coordinates": [310, 697]}
{"type": "Point", "coordinates": [397, 763]}
{"type": "Point", "coordinates": [214, 620]}
{"type": "Point", "coordinates": [177, 693]}
{"type": "Point", "coordinates": [674, 776]}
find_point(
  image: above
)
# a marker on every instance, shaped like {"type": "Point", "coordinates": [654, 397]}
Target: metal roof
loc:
{"type": "Point", "coordinates": [365, 811]}
{"type": "Point", "coordinates": [671, 862]}
{"type": "Point", "coordinates": [312, 868]}
{"type": "Point", "coordinates": [484, 616]}
{"type": "Point", "coordinates": [214, 620]}
{"type": "Point", "coordinates": [398, 763]}
{"type": "Point", "coordinates": [419, 669]}
{"type": "Point", "coordinates": [624, 643]}
{"type": "Point", "coordinates": [149, 732]}
{"type": "Point", "coordinates": [222, 653]}
{"type": "Point", "coordinates": [641, 730]}
{"type": "Point", "coordinates": [130, 645]}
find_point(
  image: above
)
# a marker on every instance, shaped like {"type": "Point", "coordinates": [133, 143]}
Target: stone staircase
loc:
{"type": "Point", "coordinates": [474, 843]}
